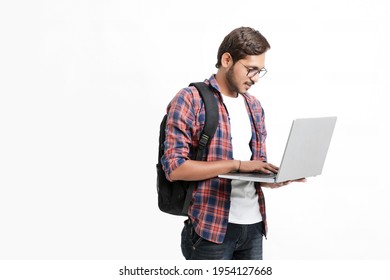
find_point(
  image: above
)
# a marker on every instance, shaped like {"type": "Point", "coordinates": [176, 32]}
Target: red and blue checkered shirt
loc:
{"type": "Point", "coordinates": [209, 209]}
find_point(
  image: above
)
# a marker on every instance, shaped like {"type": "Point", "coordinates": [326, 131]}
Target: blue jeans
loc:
{"type": "Point", "coordinates": [242, 242]}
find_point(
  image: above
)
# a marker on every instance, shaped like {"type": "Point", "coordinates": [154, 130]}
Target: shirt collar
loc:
{"type": "Point", "coordinates": [213, 82]}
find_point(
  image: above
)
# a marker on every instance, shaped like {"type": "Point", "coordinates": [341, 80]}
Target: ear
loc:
{"type": "Point", "coordinates": [226, 60]}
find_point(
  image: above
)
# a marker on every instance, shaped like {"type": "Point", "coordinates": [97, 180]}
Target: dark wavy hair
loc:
{"type": "Point", "coordinates": [241, 42]}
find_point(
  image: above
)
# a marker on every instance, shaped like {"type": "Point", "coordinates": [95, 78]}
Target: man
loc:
{"type": "Point", "coordinates": [227, 218]}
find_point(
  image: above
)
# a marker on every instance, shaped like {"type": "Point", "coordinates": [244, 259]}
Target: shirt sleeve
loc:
{"type": "Point", "coordinates": [259, 144]}
{"type": "Point", "coordinates": [263, 133]}
{"type": "Point", "coordinates": [178, 131]}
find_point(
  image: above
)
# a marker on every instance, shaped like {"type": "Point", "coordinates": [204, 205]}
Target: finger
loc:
{"type": "Point", "coordinates": [284, 183]}
{"type": "Point", "coordinates": [302, 180]}
{"type": "Point", "coordinates": [271, 168]}
{"type": "Point", "coordinates": [274, 166]}
{"type": "Point", "coordinates": [278, 185]}
{"type": "Point", "coordinates": [264, 169]}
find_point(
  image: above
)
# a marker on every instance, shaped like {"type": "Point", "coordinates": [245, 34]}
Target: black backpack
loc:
{"type": "Point", "coordinates": [175, 197]}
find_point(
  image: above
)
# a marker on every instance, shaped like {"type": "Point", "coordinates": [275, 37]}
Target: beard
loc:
{"type": "Point", "coordinates": [233, 84]}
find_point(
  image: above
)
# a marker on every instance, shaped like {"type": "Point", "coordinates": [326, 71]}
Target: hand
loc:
{"type": "Point", "coordinates": [281, 184]}
{"type": "Point", "coordinates": [258, 166]}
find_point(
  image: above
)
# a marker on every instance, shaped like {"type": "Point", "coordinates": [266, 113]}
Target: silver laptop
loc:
{"type": "Point", "coordinates": [304, 155]}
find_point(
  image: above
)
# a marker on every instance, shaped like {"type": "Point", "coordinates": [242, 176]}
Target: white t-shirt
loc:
{"type": "Point", "coordinates": [244, 205]}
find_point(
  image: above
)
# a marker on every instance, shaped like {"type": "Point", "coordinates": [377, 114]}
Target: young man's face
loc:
{"type": "Point", "coordinates": [238, 76]}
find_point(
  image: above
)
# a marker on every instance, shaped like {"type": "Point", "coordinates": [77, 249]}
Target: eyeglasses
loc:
{"type": "Point", "coordinates": [253, 72]}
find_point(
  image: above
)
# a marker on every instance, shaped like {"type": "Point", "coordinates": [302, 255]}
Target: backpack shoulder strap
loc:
{"type": "Point", "coordinates": [212, 117]}
{"type": "Point", "coordinates": [208, 131]}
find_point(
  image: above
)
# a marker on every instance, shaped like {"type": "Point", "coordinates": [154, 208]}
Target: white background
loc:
{"type": "Point", "coordinates": [84, 85]}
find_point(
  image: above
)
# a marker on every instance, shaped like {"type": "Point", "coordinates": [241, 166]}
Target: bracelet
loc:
{"type": "Point", "coordinates": [239, 166]}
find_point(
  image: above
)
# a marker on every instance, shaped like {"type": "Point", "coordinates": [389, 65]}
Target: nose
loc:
{"type": "Point", "coordinates": [255, 78]}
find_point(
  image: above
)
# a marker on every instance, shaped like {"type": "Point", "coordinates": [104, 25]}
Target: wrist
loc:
{"type": "Point", "coordinates": [239, 166]}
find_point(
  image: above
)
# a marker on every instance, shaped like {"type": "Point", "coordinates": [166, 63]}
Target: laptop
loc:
{"type": "Point", "coordinates": [304, 154]}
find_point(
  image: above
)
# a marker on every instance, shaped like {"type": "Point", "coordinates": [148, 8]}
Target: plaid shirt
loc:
{"type": "Point", "coordinates": [209, 209]}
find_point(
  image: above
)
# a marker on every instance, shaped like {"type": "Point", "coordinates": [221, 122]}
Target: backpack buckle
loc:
{"type": "Point", "coordinates": [204, 139]}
